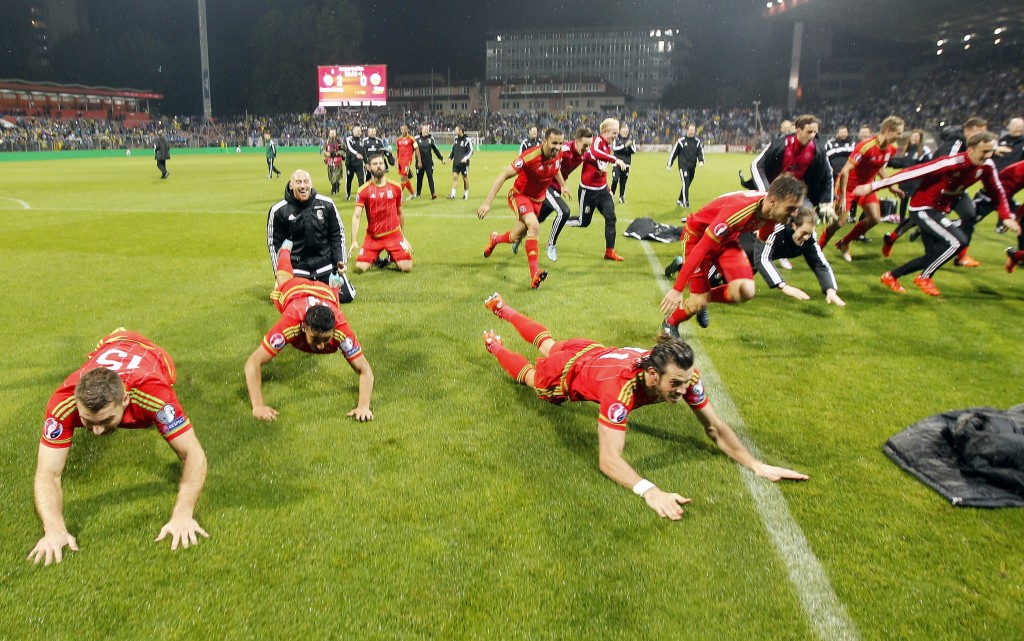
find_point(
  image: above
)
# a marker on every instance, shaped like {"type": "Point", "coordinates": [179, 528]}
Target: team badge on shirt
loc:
{"type": "Point", "coordinates": [617, 413]}
{"type": "Point", "coordinates": [52, 429]}
{"type": "Point", "coordinates": [522, 209]}
{"type": "Point", "coordinates": [277, 341]}
{"type": "Point", "coordinates": [518, 164]}
{"type": "Point", "coordinates": [720, 229]}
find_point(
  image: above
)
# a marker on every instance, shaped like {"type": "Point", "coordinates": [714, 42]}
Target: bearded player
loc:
{"type": "Point", "coordinates": [311, 321]}
{"type": "Point", "coordinates": [711, 237]}
{"type": "Point", "coordinates": [126, 383]}
{"type": "Point", "coordinates": [382, 200]}
{"type": "Point", "coordinates": [534, 170]}
{"type": "Point", "coordinates": [620, 380]}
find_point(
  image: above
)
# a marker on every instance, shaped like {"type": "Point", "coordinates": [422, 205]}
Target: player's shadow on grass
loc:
{"type": "Point", "coordinates": [678, 445]}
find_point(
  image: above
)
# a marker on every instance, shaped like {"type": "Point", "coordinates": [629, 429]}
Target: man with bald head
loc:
{"type": "Point", "coordinates": [311, 221]}
{"type": "Point", "coordinates": [1010, 148]}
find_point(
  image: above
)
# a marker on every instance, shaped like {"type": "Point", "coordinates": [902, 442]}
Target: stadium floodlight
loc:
{"type": "Point", "coordinates": [966, 47]}
{"type": "Point", "coordinates": [967, 37]}
{"type": "Point", "coordinates": [939, 52]}
{"type": "Point", "coordinates": [998, 40]}
{"type": "Point", "coordinates": [769, 5]}
{"type": "Point", "coordinates": [999, 31]}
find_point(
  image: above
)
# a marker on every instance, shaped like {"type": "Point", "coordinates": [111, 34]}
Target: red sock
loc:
{"type": "Point", "coordinates": [515, 364]}
{"type": "Point", "coordinates": [678, 316]}
{"type": "Point", "coordinates": [529, 329]}
{"type": "Point", "coordinates": [721, 294]}
{"type": "Point", "coordinates": [826, 235]}
{"type": "Point", "coordinates": [857, 231]}
{"type": "Point", "coordinates": [1019, 255]}
{"type": "Point", "coordinates": [531, 255]}
{"type": "Point", "coordinates": [284, 262]}
{"type": "Point", "coordinates": [503, 238]}
{"type": "Point", "coordinates": [963, 252]}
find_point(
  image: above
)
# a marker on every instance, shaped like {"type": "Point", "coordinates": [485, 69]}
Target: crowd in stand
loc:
{"type": "Point", "coordinates": [930, 101]}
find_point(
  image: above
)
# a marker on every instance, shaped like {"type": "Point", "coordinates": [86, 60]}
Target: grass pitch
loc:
{"type": "Point", "coordinates": [469, 509]}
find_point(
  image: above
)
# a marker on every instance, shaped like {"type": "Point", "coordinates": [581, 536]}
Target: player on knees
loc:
{"type": "Point", "coordinates": [385, 221]}
{"type": "Point", "coordinates": [620, 380]}
{"type": "Point", "coordinates": [127, 383]}
{"type": "Point", "coordinates": [711, 236]}
{"type": "Point", "coordinates": [311, 321]}
{"type": "Point", "coordinates": [534, 170]}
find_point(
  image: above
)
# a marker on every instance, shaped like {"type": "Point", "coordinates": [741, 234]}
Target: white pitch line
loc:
{"type": "Point", "coordinates": [24, 205]}
{"type": "Point", "coordinates": [824, 610]}
{"type": "Point", "coordinates": [107, 210]}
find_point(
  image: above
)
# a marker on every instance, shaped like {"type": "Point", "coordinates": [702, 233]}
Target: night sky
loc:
{"type": "Point", "coordinates": [730, 41]}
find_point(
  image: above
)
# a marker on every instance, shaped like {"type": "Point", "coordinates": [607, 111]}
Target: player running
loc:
{"type": "Point", "coordinates": [866, 163]}
{"type": "Point", "coordinates": [620, 380]}
{"type": "Point", "coordinates": [311, 321]}
{"type": "Point", "coordinates": [128, 383]}
{"type": "Point", "coordinates": [534, 170]}
{"type": "Point", "coordinates": [711, 237]}
{"type": "Point", "coordinates": [943, 182]}
{"type": "Point", "coordinates": [593, 191]}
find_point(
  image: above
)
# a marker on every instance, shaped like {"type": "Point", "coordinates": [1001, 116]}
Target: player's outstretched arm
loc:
{"type": "Point", "coordinates": [498, 182]}
{"type": "Point", "coordinates": [50, 507]}
{"type": "Point", "coordinates": [611, 444]}
{"type": "Point", "coordinates": [362, 412]}
{"type": "Point", "coordinates": [183, 527]}
{"type": "Point", "coordinates": [727, 441]}
{"type": "Point", "coordinates": [356, 215]}
{"type": "Point", "coordinates": [254, 382]}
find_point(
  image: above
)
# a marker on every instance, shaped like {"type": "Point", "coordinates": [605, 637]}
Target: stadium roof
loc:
{"type": "Point", "coordinates": [16, 84]}
{"type": "Point", "coordinates": [909, 20]}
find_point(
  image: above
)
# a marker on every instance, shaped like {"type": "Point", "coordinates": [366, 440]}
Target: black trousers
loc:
{"type": "Point", "coordinates": [602, 201]}
{"type": "Point", "coordinates": [271, 167]}
{"type": "Point", "coordinates": [942, 241]}
{"type": "Point", "coordinates": [554, 204]}
{"type": "Point", "coordinates": [162, 166]}
{"type": "Point", "coordinates": [357, 173]}
{"type": "Point", "coordinates": [619, 178]}
{"type": "Point", "coordinates": [686, 177]}
{"type": "Point", "coordinates": [428, 171]}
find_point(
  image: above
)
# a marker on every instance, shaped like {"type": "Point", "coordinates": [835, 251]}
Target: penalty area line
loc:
{"type": "Point", "coordinates": [24, 205]}
{"type": "Point", "coordinates": [825, 612]}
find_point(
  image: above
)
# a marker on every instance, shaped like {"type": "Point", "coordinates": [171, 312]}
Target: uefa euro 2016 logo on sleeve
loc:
{"type": "Point", "coordinates": [277, 341]}
{"type": "Point", "coordinates": [720, 229]}
{"type": "Point", "coordinates": [617, 413]}
{"type": "Point", "coordinates": [52, 429]}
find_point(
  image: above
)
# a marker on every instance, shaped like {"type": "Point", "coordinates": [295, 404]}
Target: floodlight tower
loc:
{"type": "Point", "coordinates": [204, 56]}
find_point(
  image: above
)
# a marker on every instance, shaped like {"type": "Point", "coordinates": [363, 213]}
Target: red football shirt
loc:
{"type": "Point", "coordinates": [609, 376]}
{"type": "Point", "coordinates": [944, 180]}
{"type": "Point", "coordinates": [405, 147]}
{"type": "Point", "coordinates": [716, 224]}
{"type": "Point", "coordinates": [571, 159]}
{"type": "Point", "coordinates": [595, 163]}
{"type": "Point", "coordinates": [148, 374]}
{"type": "Point", "coordinates": [1012, 177]}
{"type": "Point", "coordinates": [293, 298]}
{"type": "Point", "coordinates": [535, 173]}
{"type": "Point", "coordinates": [868, 158]}
{"type": "Point", "coordinates": [381, 203]}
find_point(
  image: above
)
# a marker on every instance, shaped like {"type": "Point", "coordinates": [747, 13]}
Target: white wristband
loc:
{"type": "Point", "coordinates": [642, 486]}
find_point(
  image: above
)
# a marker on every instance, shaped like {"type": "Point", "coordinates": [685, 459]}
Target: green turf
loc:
{"type": "Point", "coordinates": [469, 509]}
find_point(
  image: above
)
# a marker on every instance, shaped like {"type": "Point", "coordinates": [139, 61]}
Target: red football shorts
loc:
{"type": "Point", "coordinates": [522, 205]}
{"type": "Point", "coordinates": [547, 380]}
{"type": "Point", "coordinates": [731, 261]}
{"type": "Point", "coordinates": [863, 201]}
{"type": "Point", "coordinates": [394, 243]}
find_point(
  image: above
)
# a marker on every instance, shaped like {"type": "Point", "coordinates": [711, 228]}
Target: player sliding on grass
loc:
{"type": "Point", "coordinates": [534, 171]}
{"type": "Point", "coordinates": [711, 237]}
{"type": "Point", "coordinates": [126, 383]}
{"type": "Point", "coordinates": [620, 380]}
{"type": "Point", "coordinates": [311, 321]}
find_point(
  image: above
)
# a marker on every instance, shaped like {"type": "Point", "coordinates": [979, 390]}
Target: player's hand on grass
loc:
{"type": "Point", "coordinates": [183, 530]}
{"type": "Point", "coordinates": [773, 473]}
{"type": "Point", "coordinates": [265, 413]}
{"type": "Point", "coordinates": [667, 505]}
{"type": "Point", "coordinates": [482, 210]}
{"type": "Point", "coordinates": [361, 414]}
{"type": "Point", "coordinates": [50, 548]}
{"type": "Point", "coordinates": [354, 249]}
{"type": "Point", "coordinates": [671, 302]}
{"type": "Point", "coordinates": [832, 298]}
{"type": "Point", "coordinates": [794, 292]}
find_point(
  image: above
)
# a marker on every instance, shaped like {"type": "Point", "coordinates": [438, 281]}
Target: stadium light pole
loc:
{"type": "Point", "coordinates": [204, 55]}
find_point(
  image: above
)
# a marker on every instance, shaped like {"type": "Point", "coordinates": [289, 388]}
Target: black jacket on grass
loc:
{"type": "Point", "coordinates": [315, 229]}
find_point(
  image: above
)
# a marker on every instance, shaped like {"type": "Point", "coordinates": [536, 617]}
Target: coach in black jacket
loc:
{"type": "Point", "coordinates": [162, 153]}
{"type": "Point", "coordinates": [312, 223]}
{"type": "Point", "coordinates": [809, 165]}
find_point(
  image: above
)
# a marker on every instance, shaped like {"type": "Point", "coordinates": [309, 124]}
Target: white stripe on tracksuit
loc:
{"type": "Point", "coordinates": [552, 200]}
{"type": "Point", "coordinates": [938, 230]}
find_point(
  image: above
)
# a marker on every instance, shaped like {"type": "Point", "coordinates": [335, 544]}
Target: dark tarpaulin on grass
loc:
{"type": "Point", "coordinates": [926, 450]}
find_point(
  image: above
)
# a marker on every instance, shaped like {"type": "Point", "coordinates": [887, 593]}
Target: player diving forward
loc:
{"type": "Point", "coordinates": [620, 380]}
